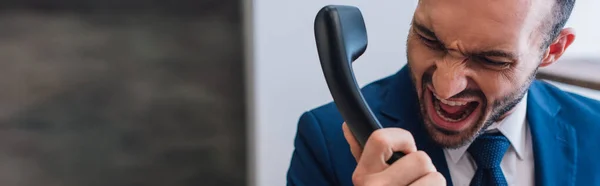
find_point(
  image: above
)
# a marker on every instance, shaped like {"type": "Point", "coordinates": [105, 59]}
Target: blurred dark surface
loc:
{"type": "Point", "coordinates": [97, 95]}
{"type": "Point", "coordinates": [222, 8]}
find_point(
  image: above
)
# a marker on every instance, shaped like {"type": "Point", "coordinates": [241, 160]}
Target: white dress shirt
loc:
{"type": "Point", "coordinates": [517, 164]}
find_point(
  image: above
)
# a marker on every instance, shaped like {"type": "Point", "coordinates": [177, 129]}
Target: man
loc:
{"type": "Point", "coordinates": [467, 109]}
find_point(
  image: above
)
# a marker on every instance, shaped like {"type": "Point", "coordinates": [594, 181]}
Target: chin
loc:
{"type": "Point", "coordinates": [454, 122]}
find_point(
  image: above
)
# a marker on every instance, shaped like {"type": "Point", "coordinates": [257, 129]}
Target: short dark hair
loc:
{"type": "Point", "coordinates": [559, 15]}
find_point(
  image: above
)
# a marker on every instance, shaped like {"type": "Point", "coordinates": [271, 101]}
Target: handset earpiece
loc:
{"type": "Point", "coordinates": [341, 38]}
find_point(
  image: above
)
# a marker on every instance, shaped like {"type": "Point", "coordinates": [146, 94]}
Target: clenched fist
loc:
{"type": "Point", "coordinates": [414, 169]}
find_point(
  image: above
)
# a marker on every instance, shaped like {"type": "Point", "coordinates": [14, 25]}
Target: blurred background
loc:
{"type": "Point", "coordinates": [122, 93]}
{"type": "Point", "coordinates": [188, 92]}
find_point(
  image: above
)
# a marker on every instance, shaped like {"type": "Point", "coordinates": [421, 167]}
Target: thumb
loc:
{"type": "Point", "coordinates": [354, 147]}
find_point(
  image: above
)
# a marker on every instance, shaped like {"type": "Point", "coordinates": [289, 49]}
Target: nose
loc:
{"type": "Point", "coordinates": [449, 78]}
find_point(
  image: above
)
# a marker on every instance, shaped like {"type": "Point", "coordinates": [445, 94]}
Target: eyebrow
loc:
{"type": "Point", "coordinates": [496, 53]}
{"type": "Point", "coordinates": [423, 30]}
{"type": "Point", "coordinates": [489, 53]}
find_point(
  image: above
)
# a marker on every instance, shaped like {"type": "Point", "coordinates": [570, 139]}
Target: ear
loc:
{"type": "Point", "coordinates": [558, 47]}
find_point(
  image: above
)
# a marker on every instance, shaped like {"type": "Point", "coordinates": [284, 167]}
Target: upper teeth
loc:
{"type": "Point", "coordinates": [451, 103]}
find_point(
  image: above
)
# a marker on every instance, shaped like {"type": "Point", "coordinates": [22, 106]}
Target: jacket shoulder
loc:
{"type": "Point", "coordinates": [373, 93]}
{"type": "Point", "coordinates": [583, 115]}
{"type": "Point", "coordinates": [576, 106]}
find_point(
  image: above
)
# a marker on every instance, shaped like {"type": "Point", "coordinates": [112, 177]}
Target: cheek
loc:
{"type": "Point", "coordinates": [498, 85]}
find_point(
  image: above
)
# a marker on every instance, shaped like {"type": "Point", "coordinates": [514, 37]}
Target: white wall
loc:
{"type": "Point", "coordinates": [285, 77]}
{"type": "Point", "coordinates": [585, 21]}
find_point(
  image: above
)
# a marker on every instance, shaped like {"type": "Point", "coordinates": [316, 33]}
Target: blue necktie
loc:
{"type": "Point", "coordinates": [487, 150]}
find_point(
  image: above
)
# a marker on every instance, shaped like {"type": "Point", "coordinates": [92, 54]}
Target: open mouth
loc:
{"type": "Point", "coordinates": [453, 111]}
{"type": "Point", "coordinates": [452, 114]}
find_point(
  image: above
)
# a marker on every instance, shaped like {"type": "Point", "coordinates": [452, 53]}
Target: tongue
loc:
{"type": "Point", "coordinates": [453, 109]}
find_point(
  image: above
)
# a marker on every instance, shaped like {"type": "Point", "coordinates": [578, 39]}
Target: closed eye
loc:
{"type": "Point", "coordinates": [493, 63]}
{"type": "Point", "coordinates": [433, 44]}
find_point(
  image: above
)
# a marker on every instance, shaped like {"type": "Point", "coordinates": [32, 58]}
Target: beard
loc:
{"type": "Point", "coordinates": [488, 116]}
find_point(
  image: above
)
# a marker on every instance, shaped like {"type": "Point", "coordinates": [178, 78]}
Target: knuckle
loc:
{"type": "Point", "coordinates": [377, 182]}
{"type": "Point", "coordinates": [358, 178]}
{"type": "Point", "coordinates": [379, 137]}
{"type": "Point", "coordinates": [438, 177]}
{"type": "Point", "coordinates": [389, 135]}
{"type": "Point", "coordinates": [365, 181]}
{"type": "Point", "coordinates": [424, 161]}
{"type": "Point", "coordinates": [422, 158]}
{"type": "Point", "coordinates": [405, 133]}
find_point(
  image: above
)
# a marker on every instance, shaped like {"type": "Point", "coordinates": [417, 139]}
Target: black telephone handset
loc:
{"type": "Point", "coordinates": [341, 38]}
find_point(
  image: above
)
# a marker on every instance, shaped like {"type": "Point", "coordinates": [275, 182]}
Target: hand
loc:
{"type": "Point", "coordinates": [414, 169]}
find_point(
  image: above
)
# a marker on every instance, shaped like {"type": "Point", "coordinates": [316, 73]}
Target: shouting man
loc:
{"type": "Point", "coordinates": [466, 109]}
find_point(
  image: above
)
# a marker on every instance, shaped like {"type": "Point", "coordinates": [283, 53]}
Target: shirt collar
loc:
{"type": "Point", "coordinates": [513, 127]}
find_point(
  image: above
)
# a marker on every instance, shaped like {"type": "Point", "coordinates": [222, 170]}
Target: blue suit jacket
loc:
{"type": "Point", "coordinates": [565, 132]}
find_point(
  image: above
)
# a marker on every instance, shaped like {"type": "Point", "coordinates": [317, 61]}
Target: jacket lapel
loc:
{"type": "Point", "coordinates": [401, 109]}
{"type": "Point", "coordinates": [554, 142]}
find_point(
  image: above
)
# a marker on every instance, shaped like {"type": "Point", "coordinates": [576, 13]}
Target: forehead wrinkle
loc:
{"type": "Point", "coordinates": [484, 25]}
{"type": "Point", "coordinates": [456, 46]}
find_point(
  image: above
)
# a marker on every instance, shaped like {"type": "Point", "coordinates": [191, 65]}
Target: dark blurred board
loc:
{"type": "Point", "coordinates": [227, 8]}
{"type": "Point", "coordinates": [579, 72]}
{"type": "Point", "coordinates": [126, 99]}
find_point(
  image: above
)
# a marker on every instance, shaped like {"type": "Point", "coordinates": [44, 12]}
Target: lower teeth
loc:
{"type": "Point", "coordinates": [463, 116]}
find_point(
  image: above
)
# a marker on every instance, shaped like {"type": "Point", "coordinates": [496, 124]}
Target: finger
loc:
{"type": "Point", "coordinates": [382, 144]}
{"type": "Point", "coordinates": [354, 146]}
{"type": "Point", "coordinates": [409, 168]}
{"type": "Point", "coordinates": [431, 179]}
